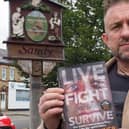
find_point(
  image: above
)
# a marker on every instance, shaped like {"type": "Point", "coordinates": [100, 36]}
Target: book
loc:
{"type": "Point", "coordinates": [88, 98]}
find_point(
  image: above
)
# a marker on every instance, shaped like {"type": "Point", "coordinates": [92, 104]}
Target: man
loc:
{"type": "Point", "coordinates": [18, 23]}
{"type": "Point", "coordinates": [116, 37]}
{"type": "Point", "coordinates": [55, 24]}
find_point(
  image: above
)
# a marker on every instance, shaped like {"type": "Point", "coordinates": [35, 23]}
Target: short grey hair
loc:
{"type": "Point", "coordinates": [109, 3]}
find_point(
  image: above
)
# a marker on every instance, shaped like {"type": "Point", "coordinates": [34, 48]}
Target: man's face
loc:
{"type": "Point", "coordinates": [116, 35]}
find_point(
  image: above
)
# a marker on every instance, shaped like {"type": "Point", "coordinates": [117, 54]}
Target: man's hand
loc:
{"type": "Point", "coordinates": [51, 107]}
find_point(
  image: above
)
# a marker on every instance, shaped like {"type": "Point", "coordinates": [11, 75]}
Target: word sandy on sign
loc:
{"type": "Point", "coordinates": [35, 52]}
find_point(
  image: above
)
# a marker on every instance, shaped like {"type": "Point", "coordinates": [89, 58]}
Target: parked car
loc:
{"type": "Point", "coordinates": [6, 123]}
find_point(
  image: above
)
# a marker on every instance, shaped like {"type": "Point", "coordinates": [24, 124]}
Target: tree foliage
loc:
{"type": "Point", "coordinates": [82, 29]}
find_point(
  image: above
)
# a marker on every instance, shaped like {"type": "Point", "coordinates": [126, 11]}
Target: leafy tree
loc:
{"type": "Point", "coordinates": [83, 26]}
{"type": "Point", "coordinates": [82, 29]}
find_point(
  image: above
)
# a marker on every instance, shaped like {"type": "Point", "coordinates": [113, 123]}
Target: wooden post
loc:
{"type": "Point", "coordinates": [0, 101]}
{"type": "Point", "coordinates": [35, 93]}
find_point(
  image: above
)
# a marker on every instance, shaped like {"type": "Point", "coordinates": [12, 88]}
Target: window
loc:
{"type": "Point", "coordinates": [22, 95]}
{"type": "Point", "coordinates": [12, 73]}
{"type": "Point", "coordinates": [3, 73]}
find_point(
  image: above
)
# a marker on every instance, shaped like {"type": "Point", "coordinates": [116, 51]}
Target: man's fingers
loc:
{"type": "Point", "coordinates": [51, 104]}
{"type": "Point", "coordinates": [55, 90]}
{"type": "Point", "coordinates": [51, 96]}
{"type": "Point", "coordinates": [53, 111]}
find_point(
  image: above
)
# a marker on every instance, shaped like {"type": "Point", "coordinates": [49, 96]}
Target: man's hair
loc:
{"type": "Point", "coordinates": [109, 3]}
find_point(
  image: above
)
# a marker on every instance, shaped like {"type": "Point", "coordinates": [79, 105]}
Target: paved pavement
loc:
{"type": "Point", "coordinates": [17, 112]}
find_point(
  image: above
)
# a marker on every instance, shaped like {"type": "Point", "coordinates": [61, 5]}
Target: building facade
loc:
{"type": "Point", "coordinates": [8, 73]}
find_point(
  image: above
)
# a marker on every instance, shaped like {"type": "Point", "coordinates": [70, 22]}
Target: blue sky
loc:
{"type": "Point", "coordinates": [4, 22]}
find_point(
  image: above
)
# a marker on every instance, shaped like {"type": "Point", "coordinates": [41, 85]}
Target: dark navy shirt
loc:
{"type": "Point", "coordinates": [119, 86]}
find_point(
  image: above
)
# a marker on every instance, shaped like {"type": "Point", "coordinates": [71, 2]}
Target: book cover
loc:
{"type": "Point", "coordinates": [88, 98]}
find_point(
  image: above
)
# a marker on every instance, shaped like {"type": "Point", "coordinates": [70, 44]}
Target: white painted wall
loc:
{"type": "Point", "coordinates": [18, 96]}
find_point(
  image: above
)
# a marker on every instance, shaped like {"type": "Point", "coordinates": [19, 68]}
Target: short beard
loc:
{"type": "Point", "coordinates": [120, 55]}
